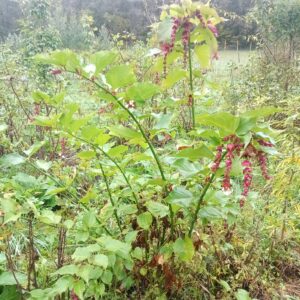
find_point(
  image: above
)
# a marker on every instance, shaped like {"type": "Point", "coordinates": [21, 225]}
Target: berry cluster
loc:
{"type": "Point", "coordinates": [235, 148]}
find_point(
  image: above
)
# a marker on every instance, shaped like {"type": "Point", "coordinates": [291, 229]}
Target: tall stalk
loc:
{"type": "Point", "coordinates": [111, 198]}
{"type": "Point", "coordinates": [191, 85]}
{"type": "Point", "coordinates": [141, 129]}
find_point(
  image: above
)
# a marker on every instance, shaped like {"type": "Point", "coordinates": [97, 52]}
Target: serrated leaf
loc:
{"type": "Point", "coordinates": [100, 260]}
{"type": "Point", "coordinates": [140, 92]}
{"type": "Point", "coordinates": [7, 278]}
{"type": "Point", "coordinates": [184, 249]}
{"type": "Point", "coordinates": [67, 270]}
{"type": "Point", "coordinates": [12, 159]}
{"type": "Point", "coordinates": [194, 154]}
{"type": "Point", "coordinates": [181, 197]}
{"type": "Point", "coordinates": [102, 59]}
{"type": "Point", "coordinates": [173, 77]}
{"type": "Point", "coordinates": [145, 220]}
{"type": "Point", "coordinates": [124, 132]}
{"type": "Point", "coordinates": [44, 165]}
{"type": "Point", "coordinates": [120, 76]}
{"type": "Point", "coordinates": [34, 148]}
{"type": "Point", "coordinates": [49, 217]}
{"type": "Point", "coordinates": [158, 210]}
{"type": "Point", "coordinates": [203, 54]}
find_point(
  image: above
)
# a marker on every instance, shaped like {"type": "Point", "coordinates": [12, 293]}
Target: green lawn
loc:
{"type": "Point", "coordinates": [228, 57]}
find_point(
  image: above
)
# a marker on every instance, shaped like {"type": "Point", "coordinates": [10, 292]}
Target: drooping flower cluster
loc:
{"type": "Point", "coordinates": [235, 148]}
{"type": "Point", "coordinates": [217, 160]}
{"type": "Point", "coordinates": [166, 48]}
{"type": "Point", "coordinates": [186, 39]}
{"type": "Point", "coordinates": [200, 18]}
{"type": "Point", "coordinates": [262, 160]}
{"type": "Point", "coordinates": [186, 25]}
{"type": "Point", "coordinates": [212, 28]}
{"type": "Point", "coordinates": [247, 171]}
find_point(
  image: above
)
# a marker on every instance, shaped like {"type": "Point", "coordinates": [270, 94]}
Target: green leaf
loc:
{"type": "Point", "coordinates": [34, 148]}
{"type": "Point", "coordinates": [184, 249]}
{"type": "Point", "coordinates": [11, 209]}
{"type": "Point", "coordinates": [181, 197]}
{"type": "Point", "coordinates": [127, 209]}
{"type": "Point", "coordinates": [39, 96]}
{"type": "Point", "coordinates": [163, 121]}
{"type": "Point", "coordinates": [242, 295]}
{"type": "Point", "coordinates": [194, 154]}
{"type": "Point", "coordinates": [107, 277]}
{"type": "Point", "coordinates": [90, 195]}
{"type": "Point", "coordinates": [100, 260]}
{"type": "Point", "coordinates": [64, 58]}
{"type": "Point", "coordinates": [164, 30]}
{"type": "Point", "coordinates": [120, 76]}
{"type": "Point", "coordinates": [203, 54]}
{"type": "Point", "coordinates": [115, 246]}
{"type": "Point", "coordinates": [261, 112]}
{"type": "Point", "coordinates": [145, 220]}
{"type": "Point", "coordinates": [44, 165]}
{"type": "Point", "coordinates": [12, 159]}
{"type": "Point", "coordinates": [211, 213]}
{"type": "Point", "coordinates": [79, 288]}
{"type": "Point", "coordinates": [246, 124]}
{"type": "Point", "coordinates": [224, 121]}
{"type": "Point", "coordinates": [117, 151]}
{"type": "Point", "coordinates": [3, 127]}
{"type": "Point", "coordinates": [186, 168]}
{"type": "Point", "coordinates": [10, 293]}
{"type": "Point", "coordinates": [140, 92]}
{"type": "Point", "coordinates": [225, 285]}
{"type": "Point", "coordinates": [102, 59]}
{"type": "Point", "coordinates": [124, 132]}
{"type": "Point", "coordinates": [86, 155]}
{"type": "Point", "coordinates": [49, 217]}
{"type": "Point", "coordinates": [173, 76]}
{"type": "Point", "coordinates": [158, 210]}
{"type": "Point", "coordinates": [67, 270]}
{"type": "Point", "coordinates": [83, 253]}
{"type": "Point", "coordinates": [89, 219]}
{"type": "Point", "coordinates": [63, 284]}
{"type": "Point", "coordinates": [7, 278]}
{"type": "Point", "coordinates": [89, 272]}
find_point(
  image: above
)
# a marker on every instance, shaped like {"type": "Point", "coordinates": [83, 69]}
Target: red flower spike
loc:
{"type": "Point", "coordinates": [218, 158]}
{"type": "Point", "coordinates": [56, 72]}
{"type": "Point", "coordinates": [262, 161]}
{"type": "Point", "coordinates": [247, 171]}
{"type": "Point", "coordinates": [200, 17]}
{"type": "Point", "coordinates": [212, 28]}
{"type": "Point", "coordinates": [265, 143]}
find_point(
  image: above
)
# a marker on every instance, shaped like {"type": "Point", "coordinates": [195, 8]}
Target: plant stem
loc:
{"type": "Point", "coordinates": [204, 191]}
{"type": "Point", "coordinates": [112, 160]}
{"type": "Point", "coordinates": [142, 132]}
{"type": "Point", "coordinates": [110, 197]}
{"type": "Point", "coordinates": [135, 121]}
{"type": "Point", "coordinates": [191, 85]}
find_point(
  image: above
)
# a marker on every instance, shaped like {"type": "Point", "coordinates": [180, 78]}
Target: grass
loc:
{"type": "Point", "coordinates": [229, 57]}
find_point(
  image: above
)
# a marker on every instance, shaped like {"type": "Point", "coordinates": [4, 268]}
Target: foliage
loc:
{"type": "Point", "coordinates": [121, 178]}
